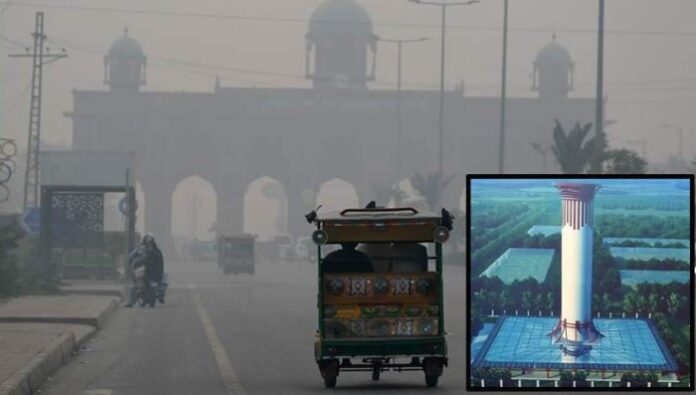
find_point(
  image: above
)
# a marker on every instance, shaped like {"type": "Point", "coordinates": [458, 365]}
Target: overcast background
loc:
{"type": "Point", "coordinates": [650, 53]}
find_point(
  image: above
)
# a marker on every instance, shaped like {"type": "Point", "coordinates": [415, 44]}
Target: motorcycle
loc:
{"type": "Point", "coordinates": [147, 293]}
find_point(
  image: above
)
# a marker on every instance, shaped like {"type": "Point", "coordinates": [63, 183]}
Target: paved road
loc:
{"type": "Point", "coordinates": [222, 335]}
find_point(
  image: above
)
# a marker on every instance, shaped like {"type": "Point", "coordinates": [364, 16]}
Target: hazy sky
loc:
{"type": "Point", "coordinates": [650, 53]}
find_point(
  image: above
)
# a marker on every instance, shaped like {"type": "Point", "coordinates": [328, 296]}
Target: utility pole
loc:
{"type": "Point", "coordinates": [441, 117]}
{"type": "Point", "coordinates": [596, 165]}
{"type": "Point", "coordinates": [503, 93]}
{"type": "Point", "coordinates": [40, 57]}
{"type": "Point", "coordinates": [399, 121]}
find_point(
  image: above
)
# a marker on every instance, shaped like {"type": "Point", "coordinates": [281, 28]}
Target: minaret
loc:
{"type": "Point", "coordinates": [575, 331]}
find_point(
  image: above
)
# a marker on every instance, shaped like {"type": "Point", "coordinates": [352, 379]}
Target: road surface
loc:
{"type": "Point", "coordinates": [223, 335]}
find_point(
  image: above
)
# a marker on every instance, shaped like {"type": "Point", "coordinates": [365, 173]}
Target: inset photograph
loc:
{"type": "Point", "coordinates": [580, 283]}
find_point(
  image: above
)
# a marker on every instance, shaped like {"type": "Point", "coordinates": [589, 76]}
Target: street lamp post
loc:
{"type": "Point", "coordinates": [399, 123]}
{"type": "Point", "coordinates": [503, 93]}
{"type": "Point", "coordinates": [599, 110]}
{"type": "Point", "coordinates": [441, 117]}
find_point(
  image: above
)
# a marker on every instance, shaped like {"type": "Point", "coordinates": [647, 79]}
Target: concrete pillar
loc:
{"type": "Point", "coordinates": [537, 384]}
{"type": "Point", "coordinates": [297, 209]}
{"type": "Point", "coordinates": [611, 384]}
{"type": "Point", "coordinates": [519, 383]}
{"type": "Point", "coordinates": [230, 192]}
{"type": "Point", "coordinates": [591, 384]}
{"type": "Point", "coordinates": [501, 383]}
{"type": "Point", "coordinates": [555, 383]}
{"type": "Point", "coordinates": [483, 383]}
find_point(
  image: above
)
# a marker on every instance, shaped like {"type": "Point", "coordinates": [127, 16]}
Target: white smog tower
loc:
{"type": "Point", "coordinates": [575, 331]}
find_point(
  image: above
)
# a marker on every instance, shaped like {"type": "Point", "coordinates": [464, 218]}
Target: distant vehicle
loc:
{"type": "Point", "coordinates": [390, 318]}
{"type": "Point", "coordinates": [305, 249]}
{"type": "Point", "coordinates": [236, 254]}
{"type": "Point", "coordinates": [283, 243]}
{"type": "Point", "coordinates": [202, 250]}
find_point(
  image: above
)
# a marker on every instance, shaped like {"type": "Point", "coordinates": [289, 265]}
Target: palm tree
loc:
{"type": "Point", "coordinates": [571, 150]}
{"type": "Point", "coordinates": [431, 187]}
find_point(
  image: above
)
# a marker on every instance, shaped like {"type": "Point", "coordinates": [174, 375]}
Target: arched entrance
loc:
{"type": "Point", "coordinates": [194, 211]}
{"type": "Point", "coordinates": [265, 208]}
{"type": "Point", "coordinates": [337, 194]}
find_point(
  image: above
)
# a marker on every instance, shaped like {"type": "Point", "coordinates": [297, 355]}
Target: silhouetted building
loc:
{"type": "Point", "coordinates": [303, 137]}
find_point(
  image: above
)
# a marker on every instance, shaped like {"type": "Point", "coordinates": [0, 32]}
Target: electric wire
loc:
{"type": "Point", "coordinates": [182, 14]}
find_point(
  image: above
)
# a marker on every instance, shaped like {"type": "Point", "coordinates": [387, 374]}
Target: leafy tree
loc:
{"type": "Point", "coordinates": [673, 304]}
{"type": "Point", "coordinates": [10, 234]}
{"type": "Point", "coordinates": [571, 150]}
{"type": "Point", "coordinates": [431, 187]}
{"type": "Point", "coordinates": [383, 194]}
{"type": "Point", "coordinates": [623, 161]}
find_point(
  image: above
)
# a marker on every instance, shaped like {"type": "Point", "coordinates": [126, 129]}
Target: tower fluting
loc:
{"type": "Point", "coordinates": [575, 330]}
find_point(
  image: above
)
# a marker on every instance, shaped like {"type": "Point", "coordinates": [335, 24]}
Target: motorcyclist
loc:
{"type": "Point", "coordinates": [150, 255]}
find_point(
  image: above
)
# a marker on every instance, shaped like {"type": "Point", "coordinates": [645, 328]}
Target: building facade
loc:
{"type": "Point", "coordinates": [337, 127]}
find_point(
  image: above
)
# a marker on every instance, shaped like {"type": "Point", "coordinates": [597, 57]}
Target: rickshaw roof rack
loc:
{"type": "Point", "coordinates": [375, 214]}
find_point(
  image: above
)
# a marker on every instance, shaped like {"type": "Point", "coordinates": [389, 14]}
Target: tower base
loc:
{"type": "Point", "coordinates": [575, 338]}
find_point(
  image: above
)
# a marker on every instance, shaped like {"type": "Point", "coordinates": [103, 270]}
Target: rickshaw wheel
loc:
{"type": "Point", "coordinates": [431, 380]}
{"type": "Point", "coordinates": [330, 382]}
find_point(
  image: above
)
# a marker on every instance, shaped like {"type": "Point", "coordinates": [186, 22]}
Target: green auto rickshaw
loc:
{"type": "Point", "coordinates": [380, 294]}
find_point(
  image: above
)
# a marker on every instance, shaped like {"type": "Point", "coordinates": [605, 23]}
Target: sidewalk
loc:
{"type": "Point", "coordinates": [38, 334]}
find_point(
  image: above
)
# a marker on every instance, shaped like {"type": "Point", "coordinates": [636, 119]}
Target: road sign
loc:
{"type": "Point", "coordinates": [31, 219]}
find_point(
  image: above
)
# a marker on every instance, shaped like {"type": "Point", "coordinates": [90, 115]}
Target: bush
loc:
{"type": "Point", "coordinates": [9, 265]}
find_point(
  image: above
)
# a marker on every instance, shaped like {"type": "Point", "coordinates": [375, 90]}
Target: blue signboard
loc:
{"type": "Point", "coordinates": [31, 218]}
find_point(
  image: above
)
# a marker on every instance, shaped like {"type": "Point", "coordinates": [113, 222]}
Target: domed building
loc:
{"type": "Point", "coordinates": [340, 36]}
{"type": "Point", "coordinates": [124, 65]}
{"type": "Point", "coordinates": [553, 71]}
{"type": "Point", "coordinates": [336, 126]}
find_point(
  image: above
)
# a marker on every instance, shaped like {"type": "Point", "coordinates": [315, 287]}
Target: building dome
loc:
{"type": "Point", "coordinates": [334, 17]}
{"type": "Point", "coordinates": [126, 47]}
{"type": "Point", "coordinates": [553, 54]}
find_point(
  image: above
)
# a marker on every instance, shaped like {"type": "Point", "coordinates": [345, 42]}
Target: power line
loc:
{"type": "Point", "coordinates": [14, 42]}
{"type": "Point", "coordinates": [181, 14]}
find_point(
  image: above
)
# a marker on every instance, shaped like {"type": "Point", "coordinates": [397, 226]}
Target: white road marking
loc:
{"type": "Point", "coordinates": [227, 372]}
{"type": "Point", "coordinates": [98, 392]}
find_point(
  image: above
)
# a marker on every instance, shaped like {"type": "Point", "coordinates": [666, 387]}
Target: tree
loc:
{"type": "Point", "coordinates": [383, 194]}
{"type": "Point", "coordinates": [571, 150]}
{"type": "Point", "coordinates": [623, 161]}
{"type": "Point", "coordinates": [431, 187]}
{"type": "Point", "coordinates": [673, 304]}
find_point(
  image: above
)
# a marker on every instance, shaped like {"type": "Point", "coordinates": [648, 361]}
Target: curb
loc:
{"type": "Point", "coordinates": [40, 367]}
{"type": "Point", "coordinates": [43, 365]}
{"type": "Point", "coordinates": [119, 293]}
{"type": "Point", "coordinates": [97, 322]}
{"type": "Point", "coordinates": [94, 292]}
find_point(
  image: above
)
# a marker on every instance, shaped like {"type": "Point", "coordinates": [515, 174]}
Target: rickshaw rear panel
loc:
{"type": "Point", "coordinates": [371, 321]}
